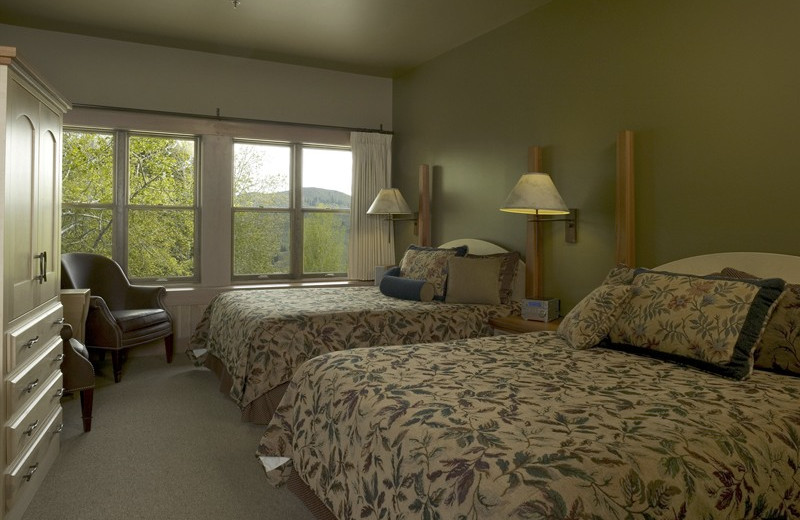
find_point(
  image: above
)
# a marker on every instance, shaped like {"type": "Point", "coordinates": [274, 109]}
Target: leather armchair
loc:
{"type": "Point", "coordinates": [121, 315]}
{"type": "Point", "coordinates": [78, 374]}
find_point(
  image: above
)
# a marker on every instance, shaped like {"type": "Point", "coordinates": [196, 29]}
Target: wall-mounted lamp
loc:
{"type": "Point", "coordinates": [390, 202]}
{"type": "Point", "coordinates": [536, 195]}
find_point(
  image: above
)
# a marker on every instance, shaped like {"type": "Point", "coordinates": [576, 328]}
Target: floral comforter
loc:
{"type": "Point", "coordinates": [262, 336]}
{"type": "Point", "coordinates": [525, 427]}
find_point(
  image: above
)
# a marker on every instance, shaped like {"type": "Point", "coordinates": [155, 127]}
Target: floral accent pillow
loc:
{"type": "Point", "coordinates": [708, 322]}
{"type": "Point", "coordinates": [590, 321]}
{"type": "Point", "coordinates": [621, 274]}
{"type": "Point", "coordinates": [779, 348]}
{"type": "Point", "coordinates": [429, 264]}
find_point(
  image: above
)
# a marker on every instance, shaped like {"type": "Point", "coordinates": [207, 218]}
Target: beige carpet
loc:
{"type": "Point", "coordinates": [165, 444]}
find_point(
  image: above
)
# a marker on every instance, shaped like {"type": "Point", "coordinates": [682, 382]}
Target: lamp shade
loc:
{"type": "Point", "coordinates": [389, 202]}
{"type": "Point", "coordinates": [536, 194]}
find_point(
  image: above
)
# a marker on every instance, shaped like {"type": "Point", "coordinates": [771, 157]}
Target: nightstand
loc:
{"type": "Point", "coordinates": [516, 325]}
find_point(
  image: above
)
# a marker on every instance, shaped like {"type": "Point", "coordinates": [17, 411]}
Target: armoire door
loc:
{"type": "Point", "coordinates": [47, 216]}
{"type": "Point", "coordinates": [21, 158]}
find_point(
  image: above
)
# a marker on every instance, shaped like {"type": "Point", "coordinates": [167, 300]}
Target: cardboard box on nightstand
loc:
{"type": "Point", "coordinates": [546, 309]}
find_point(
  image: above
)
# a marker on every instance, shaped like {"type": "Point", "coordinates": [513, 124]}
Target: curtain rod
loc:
{"type": "Point", "coordinates": [231, 119]}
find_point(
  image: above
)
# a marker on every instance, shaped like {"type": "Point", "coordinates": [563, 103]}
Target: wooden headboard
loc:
{"type": "Point", "coordinates": [625, 214]}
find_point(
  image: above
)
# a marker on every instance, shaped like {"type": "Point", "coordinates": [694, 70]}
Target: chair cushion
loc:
{"type": "Point", "coordinates": [134, 319]}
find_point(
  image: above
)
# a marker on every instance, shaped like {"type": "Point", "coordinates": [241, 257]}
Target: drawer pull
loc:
{"type": "Point", "coordinates": [31, 428]}
{"type": "Point", "coordinates": [31, 342]}
{"type": "Point", "coordinates": [31, 470]}
{"type": "Point", "coordinates": [59, 357]}
{"type": "Point", "coordinates": [60, 392]}
{"type": "Point", "coordinates": [59, 321]}
{"type": "Point", "coordinates": [31, 386]}
{"type": "Point", "coordinates": [59, 429]}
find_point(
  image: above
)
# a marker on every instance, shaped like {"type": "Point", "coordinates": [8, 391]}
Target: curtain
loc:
{"type": "Point", "coordinates": [371, 236]}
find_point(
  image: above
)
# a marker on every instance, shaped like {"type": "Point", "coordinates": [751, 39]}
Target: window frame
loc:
{"type": "Point", "coordinates": [295, 210]}
{"type": "Point", "coordinates": [121, 207]}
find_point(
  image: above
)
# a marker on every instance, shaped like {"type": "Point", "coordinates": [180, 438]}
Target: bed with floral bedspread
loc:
{"type": "Point", "coordinates": [526, 427]}
{"type": "Point", "coordinates": [260, 337]}
{"type": "Point", "coordinates": [661, 396]}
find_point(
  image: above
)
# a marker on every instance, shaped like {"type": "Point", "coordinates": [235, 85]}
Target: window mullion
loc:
{"type": "Point", "coordinates": [297, 211]}
{"type": "Point", "coordinates": [120, 227]}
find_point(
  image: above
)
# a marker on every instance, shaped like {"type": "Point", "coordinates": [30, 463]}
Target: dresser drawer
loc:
{"type": "Point", "coordinates": [25, 340]}
{"type": "Point", "coordinates": [23, 428]}
{"type": "Point", "coordinates": [24, 475]}
{"type": "Point", "coordinates": [22, 385]}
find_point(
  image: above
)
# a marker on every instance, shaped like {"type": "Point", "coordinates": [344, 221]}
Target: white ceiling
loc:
{"type": "Point", "coordinates": [376, 37]}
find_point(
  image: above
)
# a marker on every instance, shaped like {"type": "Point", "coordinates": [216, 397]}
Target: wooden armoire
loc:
{"type": "Point", "coordinates": [31, 115]}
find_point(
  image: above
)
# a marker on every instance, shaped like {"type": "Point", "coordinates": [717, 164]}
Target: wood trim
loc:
{"type": "Point", "coordinates": [7, 54]}
{"type": "Point", "coordinates": [38, 86]}
{"type": "Point", "coordinates": [533, 244]}
{"type": "Point", "coordinates": [516, 324]}
{"type": "Point", "coordinates": [625, 217]}
{"type": "Point", "coordinates": [424, 217]}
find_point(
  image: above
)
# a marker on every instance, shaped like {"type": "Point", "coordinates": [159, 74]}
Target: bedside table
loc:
{"type": "Point", "coordinates": [516, 325]}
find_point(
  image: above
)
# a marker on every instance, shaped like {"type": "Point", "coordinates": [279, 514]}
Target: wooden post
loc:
{"type": "Point", "coordinates": [625, 210]}
{"type": "Point", "coordinates": [424, 217]}
{"type": "Point", "coordinates": [533, 246]}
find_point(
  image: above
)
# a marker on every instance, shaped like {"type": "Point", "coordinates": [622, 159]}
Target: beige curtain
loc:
{"type": "Point", "coordinates": [371, 237]}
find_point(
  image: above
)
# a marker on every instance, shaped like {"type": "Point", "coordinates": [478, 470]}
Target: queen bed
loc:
{"type": "Point", "coordinates": [256, 339]}
{"type": "Point", "coordinates": [644, 404]}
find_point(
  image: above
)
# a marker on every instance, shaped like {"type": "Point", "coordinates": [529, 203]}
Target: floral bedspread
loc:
{"type": "Point", "coordinates": [262, 336]}
{"type": "Point", "coordinates": [525, 427]}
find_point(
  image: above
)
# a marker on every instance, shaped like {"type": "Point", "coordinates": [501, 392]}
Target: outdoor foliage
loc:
{"type": "Point", "coordinates": [161, 187]}
{"type": "Point", "coordinates": [160, 210]}
{"type": "Point", "coordinates": [87, 173]}
{"type": "Point", "coordinates": [262, 227]}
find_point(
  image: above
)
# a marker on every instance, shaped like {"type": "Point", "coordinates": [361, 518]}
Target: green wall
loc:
{"type": "Point", "coordinates": [711, 89]}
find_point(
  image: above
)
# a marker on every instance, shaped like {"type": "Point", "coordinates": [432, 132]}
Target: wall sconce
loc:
{"type": "Point", "coordinates": [390, 202]}
{"type": "Point", "coordinates": [536, 195]}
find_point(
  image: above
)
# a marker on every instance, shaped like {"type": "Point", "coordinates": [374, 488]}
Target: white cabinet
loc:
{"type": "Point", "coordinates": [33, 136]}
{"type": "Point", "coordinates": [31, 115]}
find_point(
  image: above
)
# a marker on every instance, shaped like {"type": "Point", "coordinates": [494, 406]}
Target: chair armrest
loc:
{"type": "Point", "coordinates": [101, 327]}
{"type": "Point", "coordinates": [76, 367]}
{"type": "Point", "coordinates": [145, 297]}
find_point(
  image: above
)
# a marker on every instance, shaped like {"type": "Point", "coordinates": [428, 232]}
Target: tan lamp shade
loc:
{"type": "Point", "coordinates": [389, 202]}
{"type": "Point", "coordinates": [536, 194]}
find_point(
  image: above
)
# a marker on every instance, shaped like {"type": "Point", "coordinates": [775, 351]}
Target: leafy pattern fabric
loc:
{"type": "Point", "coordinates": [590, 321]}
{"type": "Point", "coordinates": [524, 426]}
{"type": "Point", "coordinates": [779, 348]}
{"type": "Point", "coordinates": [713, 322]}
{"type": "Point", "coordinates": [262, 336]}
{"type": "Point", "coordinates": [429, 264]}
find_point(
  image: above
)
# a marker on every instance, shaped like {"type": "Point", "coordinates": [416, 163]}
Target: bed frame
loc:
{"type": "Point", "coordinates": [762, 265]}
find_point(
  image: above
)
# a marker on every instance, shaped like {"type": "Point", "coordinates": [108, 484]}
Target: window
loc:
{"type": "Point", "coordinates": [87, 192]}
{"type": "Point", "coordinates": [132, 197]}
{"type": "Point", "coordinates": [280, 231]}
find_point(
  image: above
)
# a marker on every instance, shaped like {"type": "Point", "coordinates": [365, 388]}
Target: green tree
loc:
{"type": "Point", "coordinates": [261, 237]}
{"type": "Point", "coordinates": [161, 215]}
{"type": "Point", "coordinates": [87, 179]}
{"type": "Point", "coordinates": [325, 238]}
{"type": "Point", "coordinates": [160, 210]}
{"type": "Point", "coordinates": [161, 183]}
